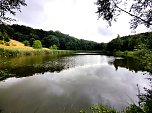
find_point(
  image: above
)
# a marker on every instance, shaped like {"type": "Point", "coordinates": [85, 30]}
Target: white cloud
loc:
{"type": "Point", "coordinates": [74, 17]}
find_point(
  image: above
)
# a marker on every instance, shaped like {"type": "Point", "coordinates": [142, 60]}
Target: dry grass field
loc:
{"type": "Point", "coordinates": [16, 48]}
{"type": "Point", "coordinates": [13, 44]}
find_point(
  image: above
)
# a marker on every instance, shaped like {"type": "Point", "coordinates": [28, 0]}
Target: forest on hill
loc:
{"type": "Point", "coordinates": [130, 42]}
{"type": "Point", "coordinates": [48, 38]}
{"type": "Point", "coordinates": [66, 42]}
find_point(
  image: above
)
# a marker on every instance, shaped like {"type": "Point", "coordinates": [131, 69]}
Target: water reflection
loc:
{"type": "Point", "coordinates": [83, 81]}
{"type": "Point", "coordinates": [129, 63]}
{"type": "Point", "coordinates": [28, 66]}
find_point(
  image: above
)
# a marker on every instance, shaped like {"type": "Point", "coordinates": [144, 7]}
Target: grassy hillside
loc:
{"type": "Point", "coordinates": [16, 48]}
{"type": "Point", "coordinates": [13, 44]}
{"type": "Point", "coordinates": [16, 45]}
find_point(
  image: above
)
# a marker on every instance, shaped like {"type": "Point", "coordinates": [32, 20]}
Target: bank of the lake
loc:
{"type": "Point", "coordinates": [21, 52]}
{"type": "Point", "coordinates": [144, 58]}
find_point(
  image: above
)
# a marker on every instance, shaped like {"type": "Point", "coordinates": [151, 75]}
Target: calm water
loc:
{"type": "Point", "coordinates": [67, 84]}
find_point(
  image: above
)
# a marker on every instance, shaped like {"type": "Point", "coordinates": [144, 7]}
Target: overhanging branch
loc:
{"type": "Point", "coordinates": [147, 22]}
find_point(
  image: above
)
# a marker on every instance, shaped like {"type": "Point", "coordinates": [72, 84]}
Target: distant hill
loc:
{"type": "Point", "coordinates": [131, 42]}
{"type": "Point", "coordinates": [48, 38]}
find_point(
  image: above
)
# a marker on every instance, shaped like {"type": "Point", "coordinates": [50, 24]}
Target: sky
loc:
{"type": "Point", "coordinates": [74, 17]}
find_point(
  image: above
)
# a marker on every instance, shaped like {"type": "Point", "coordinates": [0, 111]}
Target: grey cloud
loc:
{"type": "Point", "coordinates": [30, 13]}
{"type": "Point", "coordinates": [104, 31]}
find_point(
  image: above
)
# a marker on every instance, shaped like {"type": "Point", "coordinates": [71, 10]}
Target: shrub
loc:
{"type": "Point", "coordinates": [54, 47]}
{"type": "Point", "coordinates": [26, 43]}
{"type": "Point", "coordinates": [100, 109]}
{"type": "Point", "coordinates": [37, 44]}
{"type": "Point", "coordinates": [134, 109]}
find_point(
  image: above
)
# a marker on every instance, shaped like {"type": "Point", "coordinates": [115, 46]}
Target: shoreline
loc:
{"type": "Point", "coordinates": [20, 52]}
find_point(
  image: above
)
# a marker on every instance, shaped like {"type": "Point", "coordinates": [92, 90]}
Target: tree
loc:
{"type": "Point", "coordinates": [50, 40]}
{"type": "Point", "coordinates": [116, 44]}
{"type": "Point", "coordinates": [102, 46]}
{"type": "Point", "coordinates": [26, 43]}
{"type": "Point", "coordinates": [140, 10]}
{"type": "Point", "coordinates": [19, 36]}
{"type": "Point", "coordinates": [1, 36]}
{"type": "Point", "coordinates": [47, 41]}
{"type": "Point", "coordinates": [9, 6]}
{"type": "Point", "coordinates": [3, 33]}
{"type": "Point", "coordinates": [31, 41]}
{"type": "Point", "coordinates": [37, 44]}
{"type": "Point", "coordinates": [36, 37]}
{"type": "Point", "coordinates": [6, 37]}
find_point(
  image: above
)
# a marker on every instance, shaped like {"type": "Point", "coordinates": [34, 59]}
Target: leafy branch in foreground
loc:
{"type": "Point", "coordinates": [140, 10]}
{"type": "Point", "coordinates": [9, 6]}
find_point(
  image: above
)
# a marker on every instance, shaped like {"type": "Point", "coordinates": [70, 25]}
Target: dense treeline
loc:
{"type": "Point", "coordinates": [131, 42]}
{"type": "Point", "coordinates": [48, 38]}
{"type": "Point", "coordinates": [65, 42]}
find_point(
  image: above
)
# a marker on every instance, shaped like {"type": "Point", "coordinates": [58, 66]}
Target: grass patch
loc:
{"type": "Point", "coordinates": [15, 48]}
{"type": "Point", "coordinates": [18, 52]}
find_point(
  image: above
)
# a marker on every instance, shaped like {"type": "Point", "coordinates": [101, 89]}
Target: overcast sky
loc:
{"type": "Point", "coordinates": [74, 17]}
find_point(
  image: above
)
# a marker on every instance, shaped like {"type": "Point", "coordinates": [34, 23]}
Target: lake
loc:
{"type": "Point", "coordinates": [67, 84]}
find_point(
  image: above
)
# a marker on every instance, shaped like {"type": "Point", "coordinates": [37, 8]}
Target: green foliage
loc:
{"type": "Point", "coordinates": [19, 36]}
{"type": "Point", "coordinates": [115, 44]}
{"type": "Point", "coordinates": [31, 40]}
{"type": "Point", "coordinates": [66, 42]}
{"type": "Point", "coordinates": [9, 6]}
{"type": "Point", "coordinates": [37, 44]}
{"type": "Point", "coordinates": [1, 36]}
{"type": "Point", "coordinates": [134, 109]}
{"type": "Point", "coordinates": [54, 47]}
{"type": "Point", "coordinates": [145, 105]}
{"type": "Point", "coordinates": [139, 11]}
{"type": "Point", "coordinates": [146, 100]}
{"type": "Point", "coordinates": [100, 109]}
{"type": "Point", "coordinates": [18, 52]}
{"type": "Point", "coordinates": [141, 46]}
{"type": "Point", "coordinates": [130, 43]}
{"type": "Point", "coordinates": [103, 46]}
{"type": "Point", "coordinates": [6, 38]}
{"type": "Point", "coordinates": [3, 75]}
{"type": "Point", "coordinates": [62, 41]}
{"type": "Point", "coordinates": [26, 43]}
{"type": "Point", "coordinates": [144, 57]}
{"type": "Point", "coordinates": [50, 40]}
